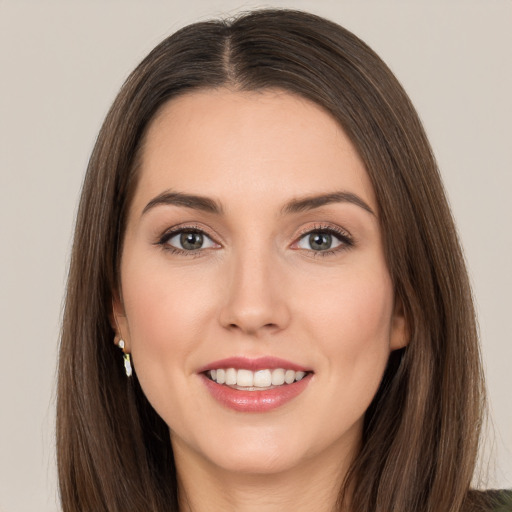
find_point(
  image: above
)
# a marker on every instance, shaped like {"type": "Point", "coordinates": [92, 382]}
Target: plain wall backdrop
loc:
{"type": "Point", "coordinates": [61, 64]}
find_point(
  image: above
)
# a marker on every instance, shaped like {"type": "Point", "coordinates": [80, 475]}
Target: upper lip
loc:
{"type": "Point", "coordinates": [254, 364]}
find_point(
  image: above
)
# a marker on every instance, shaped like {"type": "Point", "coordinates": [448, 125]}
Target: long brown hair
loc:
{"type": "Point", "coordinates": [421, 431]}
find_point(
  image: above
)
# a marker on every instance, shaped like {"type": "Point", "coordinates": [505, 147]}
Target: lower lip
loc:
{"type": "Point", "coordinates": [255, 401]}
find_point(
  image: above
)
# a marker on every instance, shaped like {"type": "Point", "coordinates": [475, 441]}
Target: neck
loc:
{"type": "Point", "coordinates": [314, 485]}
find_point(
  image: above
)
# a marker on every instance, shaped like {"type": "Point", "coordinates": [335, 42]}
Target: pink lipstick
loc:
{"type": "Point", "coordinates": [254, 385]}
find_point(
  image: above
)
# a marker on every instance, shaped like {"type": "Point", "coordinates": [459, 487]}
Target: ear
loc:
{"type": "Point", "coordinates": [399, 333]}
{"type": "Point", "coordinates": [119, 322]}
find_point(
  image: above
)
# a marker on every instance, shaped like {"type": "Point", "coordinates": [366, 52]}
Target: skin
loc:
{"type": "Point", "coordinates": [256, 289]}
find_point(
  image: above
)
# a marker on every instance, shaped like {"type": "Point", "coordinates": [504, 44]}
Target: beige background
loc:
{"type": "Point", "coordinates": [61, 64]}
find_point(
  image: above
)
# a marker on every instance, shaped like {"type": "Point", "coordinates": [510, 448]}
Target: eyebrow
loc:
{"type": "Point", "coordinates": [294, 206]}
{"type": "Point", "coordinates": [316, 201]}
{"type": "Point", "coordinates": [187, 200]}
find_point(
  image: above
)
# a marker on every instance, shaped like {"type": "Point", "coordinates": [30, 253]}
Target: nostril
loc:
{"type": "Point", "coordinates": [253, 330]}
{"type": "Point", "coordinates": [253, 316]}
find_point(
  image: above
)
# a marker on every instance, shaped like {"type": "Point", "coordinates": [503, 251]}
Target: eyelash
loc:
{"type": "Point", "coordinates": [164, 239]}
{"type": "Point", "coordinates": [345, 239]}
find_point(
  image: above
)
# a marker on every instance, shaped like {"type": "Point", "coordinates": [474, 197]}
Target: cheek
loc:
{"type": "Point", "coordinates": [353, 349]}
{"type": "Point", "coordinates": [167, 314]}
{"type": "Point", "coordinates": [166, 320]}
{"type": "Point", "coordinates": [163, 307]}
{"type": "Point", "coordinates": [351, 322]}
{"type": "Point", "coordinates": [353, 299]}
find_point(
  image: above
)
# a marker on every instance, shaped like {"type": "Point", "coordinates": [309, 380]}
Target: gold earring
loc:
{"type": "Point", "coordinates": [126, 358]}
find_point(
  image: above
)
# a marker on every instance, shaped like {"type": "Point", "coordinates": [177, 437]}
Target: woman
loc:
{"type": "Point", "coordinates": [264, 234]}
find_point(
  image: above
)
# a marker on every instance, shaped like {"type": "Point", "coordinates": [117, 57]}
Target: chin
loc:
{"type": "Point", "coordinates": [246, 451]}
{"type": "Point", "coordinates": [256, 461]}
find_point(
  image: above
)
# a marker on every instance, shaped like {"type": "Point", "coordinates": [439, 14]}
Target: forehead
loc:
{"type": "Point", "coordinates": [269, 145]}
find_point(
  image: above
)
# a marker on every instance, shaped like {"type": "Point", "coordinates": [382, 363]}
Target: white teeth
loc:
{"type": "Point", "coordinates": [289, 376]}
{"type": "Point", "coordinates": [245, 378]}
{"type": "Point", "coordinates": [260, 379]}
{"type": "Point", "coordinates": [277, 377]}
{"type": "Point", "coordinates": [230, 377]}
{"type": "Point", "coordinates": [221, 376]}
{"type": "Point", "coordinates": [299, 375]}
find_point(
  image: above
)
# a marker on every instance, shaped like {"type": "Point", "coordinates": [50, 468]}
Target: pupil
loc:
{"type": "Point", "coordinates": [320, 241]}
{"type": "Point", "coordinates": [191, 241]}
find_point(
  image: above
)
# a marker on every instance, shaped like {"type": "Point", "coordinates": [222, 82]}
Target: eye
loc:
{"type": "Point", "coordinates": [187, 240]}
{"type": "Point", "coordinates": [318, 241]}
{"type": "Point", "coordinates": [324, 239]}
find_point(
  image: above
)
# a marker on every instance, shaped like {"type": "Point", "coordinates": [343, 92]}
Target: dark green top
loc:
{"type": "Point", "coordinates": [501, 500]}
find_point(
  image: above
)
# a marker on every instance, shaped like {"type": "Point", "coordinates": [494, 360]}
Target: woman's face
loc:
{"type": "Point", "coordinates": [253, 244]}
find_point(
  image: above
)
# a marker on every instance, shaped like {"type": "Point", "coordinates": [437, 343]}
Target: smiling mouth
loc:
{"type": "Point", "coordinates": [260, 380]}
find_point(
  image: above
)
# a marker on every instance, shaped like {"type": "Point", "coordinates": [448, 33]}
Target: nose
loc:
{"type": "Point", "coordinates": [255, 299]}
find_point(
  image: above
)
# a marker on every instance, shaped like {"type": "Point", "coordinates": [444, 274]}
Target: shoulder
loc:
{"type": "Point", "coordinates": [501, 501]}
{"type": "Point", "coordinates": [489, 501]}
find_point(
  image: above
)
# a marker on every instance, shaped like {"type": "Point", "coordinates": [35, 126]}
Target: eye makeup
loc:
{"type": "Point", "coordinates": [324, 239]}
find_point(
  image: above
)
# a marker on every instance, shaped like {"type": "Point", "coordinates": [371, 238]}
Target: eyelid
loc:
{"type": "Point", "coordinates": [346, 239]}
{"type": "Point", "coordinates": [173, 231]}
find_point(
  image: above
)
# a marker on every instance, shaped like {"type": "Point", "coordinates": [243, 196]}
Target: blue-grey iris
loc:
{"type": "Point", "coordinates": [191, 241]}
{"type": "Point", "coordinates": [320, 241]}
